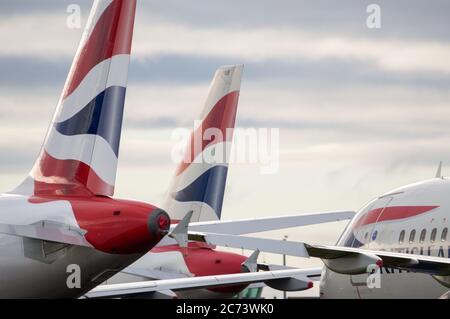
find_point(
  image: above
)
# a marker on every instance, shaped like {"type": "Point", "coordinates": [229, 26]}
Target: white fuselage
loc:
{"type": "Point", "coordinates": [36, 268]}
{"type": "Point", "coordinates": [413, 219]}
{"type": "Point", "coordinates": [32, 268]}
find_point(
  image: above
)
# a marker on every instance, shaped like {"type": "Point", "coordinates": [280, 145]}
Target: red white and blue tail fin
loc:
{"type": "Point", "coordinates": [199, 182]}
{"type": "Point", "coordinates": [80, 152]}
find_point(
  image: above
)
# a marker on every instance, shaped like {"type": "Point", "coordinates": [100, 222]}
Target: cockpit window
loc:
{"type": "Point", "coordinates": [444, 234]}
{"type": "Point", "coordinates": [423, 234]}
{"type": "Point", "coordinates": [351, 232]}
{"type": "Point", "coordinates": [433, 235]}
{"type": "Point", "coordinates": [401, 238]}
{"type": "Point", "coordinates": [412, 236]}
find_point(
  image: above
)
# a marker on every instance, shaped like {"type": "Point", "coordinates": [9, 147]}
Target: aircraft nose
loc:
{"type": "Point", "coordinates": [158, 223]}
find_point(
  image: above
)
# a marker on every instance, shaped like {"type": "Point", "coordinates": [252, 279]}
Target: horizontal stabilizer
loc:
{"type": "Point", "coordinates": [256, 225]}
{"type": "Point", "coordinates": [415, 263]}
{"type": "Point", "coordinates": [48, 231]}
{"type": "Point", "coordinates": [252, 243]}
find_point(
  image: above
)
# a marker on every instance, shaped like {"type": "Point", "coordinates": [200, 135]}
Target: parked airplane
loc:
{"type": "Point", "coordinates": [198, 187]}
{"type": "Point", "coordinates": [60, 220]}
{"type": "Point", "coordinates": [61, 233]}
{"type": "Point", "coordinates": [412, 221]}
{"type": "Point", "coordinates": [400, 239]}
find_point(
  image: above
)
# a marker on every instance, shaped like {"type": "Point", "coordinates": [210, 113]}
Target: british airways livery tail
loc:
{"type": "Point", "coordinates": [199, 183]}
{"type": "Point", "coordinates": [80, 152]}
{"type": "Point", "coordinates": [62, 215]}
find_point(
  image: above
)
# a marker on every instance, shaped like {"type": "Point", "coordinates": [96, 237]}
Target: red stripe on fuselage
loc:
{"type": "Point", "coordinates": [112, 35]}
{"type": "Point", "coordinates": [221, 117]}
{"type": "Point", "coordinates": [391, 213]}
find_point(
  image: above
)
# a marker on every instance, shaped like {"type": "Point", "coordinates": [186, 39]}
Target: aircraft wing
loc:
{"type": "Point", "coordinates": [344, 260]}
{"type": "Point", "coordinates": [289, 279]}
{"type": "Point", "coordinates": [252, 243]}
{"type": "Point", "coordinates": [438, 266]}
{"type": "Point", "coordinates": [152, 274]}
{"type": "Point", "coordinates": [255, 225]}
{"type": "Point", "coordinates": [48, 231]}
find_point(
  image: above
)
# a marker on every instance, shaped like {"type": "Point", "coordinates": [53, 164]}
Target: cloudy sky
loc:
{"type": "Point", "coordinates": [360, 110]}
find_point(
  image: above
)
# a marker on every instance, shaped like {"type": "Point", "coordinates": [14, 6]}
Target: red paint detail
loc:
{"type": "Point", "coordinates": [203, 261]}
{"type": "Point", "coordinates": [379, 263]}
{"type": "Point", "coordinates": [310, 285]}
{"type": "Point", "coordinates": [163, 222]}
{"type": "Point", "coordinates": [112, 35]}
{"type": "Point", "coordinates": [127, 233]}
{"type": "Point", "coordinates": [221, 117]}
{"type": "Point", "coordinates": [391, 213]}
{"type": "Point", "coordinates": [67, 177]}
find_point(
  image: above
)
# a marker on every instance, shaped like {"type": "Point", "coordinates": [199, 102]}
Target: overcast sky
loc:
{"type": "Point", "coordinates": [360, 110]}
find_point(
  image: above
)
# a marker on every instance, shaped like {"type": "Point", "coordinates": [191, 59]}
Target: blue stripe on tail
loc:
{"type": "Point", "coordinates": [102, 116]}
{"type": "Point", "coordinates": [208, 188]}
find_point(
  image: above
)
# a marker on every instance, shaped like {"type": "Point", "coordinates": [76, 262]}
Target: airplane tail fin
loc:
{"type": "Point", "coordinates": [199, 181]}
{"type": "Point", "coordinates": [80, 152]}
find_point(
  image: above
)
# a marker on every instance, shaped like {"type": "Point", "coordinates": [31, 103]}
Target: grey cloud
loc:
{"type": "Point", "coordinates": [16, 160]}
{"type": "Point", "coordinates": [182, 69]}
{"type": "Point", "coordinates": [400, 18]}
{"type": "Point", "coordinates": [21, 71]}
{"type": "Point", "coordinates": [317, 130]}
{"type": "Point", "coordinates": [154, 123]}
{"type": "Point", "coordinates": [326, 72]}
{"type": "Point", "coordinates": [15, 7]}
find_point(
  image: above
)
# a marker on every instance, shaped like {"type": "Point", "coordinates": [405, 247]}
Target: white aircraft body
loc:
{"type": "Point", "coordinates": [397, 246]}
{"type": "Point", "coordinates": [410, 220]}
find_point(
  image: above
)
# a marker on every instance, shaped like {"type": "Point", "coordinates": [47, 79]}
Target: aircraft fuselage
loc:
{"type": "Point", "coordinates": [413, 219]}
{"type": "Point", "coordinates": [117, 233]}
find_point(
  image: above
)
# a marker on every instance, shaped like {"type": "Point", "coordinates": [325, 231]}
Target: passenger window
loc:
{"type": "Point", "coordinates": [433, 235]}
{"type": "Point", "coordinates": [412, 236]}
{"type": "Point", "coordinates": [423, 234]}
{"type": "Point", "coordinates": [402, 237]}
{"type": "Point", "coordinates": [444, 234]}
